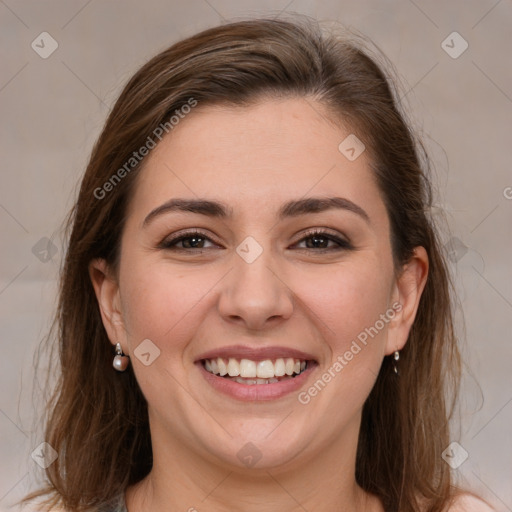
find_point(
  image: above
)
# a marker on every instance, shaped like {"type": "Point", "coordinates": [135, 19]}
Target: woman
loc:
{"type": "Point", "coordinates": [251, 250]}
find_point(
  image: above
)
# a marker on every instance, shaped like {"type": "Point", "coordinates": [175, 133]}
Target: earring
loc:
{"type": "Point", "coordinates": [397, 357]}
{"type": "Point", "coordinates": [120, 360]}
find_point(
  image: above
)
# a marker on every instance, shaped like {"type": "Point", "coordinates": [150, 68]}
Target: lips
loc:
{"type": "Point", "coordinates": [240, 352]}
{"type": "Point", "coordinates": [262, 373]}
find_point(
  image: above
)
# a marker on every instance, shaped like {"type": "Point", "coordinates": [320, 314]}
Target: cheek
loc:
{"type": "Point", "coordinates": [162, 306]}
{"type": "Point", "coordinates": [346, 300]}
{"type": "Point", "coordinates": [346, 303]}
{"type": "Point", "coordinates": [161, 303]}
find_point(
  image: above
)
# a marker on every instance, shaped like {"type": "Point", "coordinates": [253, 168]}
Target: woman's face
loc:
{"type": "Point", "coordinates": [256, 285]}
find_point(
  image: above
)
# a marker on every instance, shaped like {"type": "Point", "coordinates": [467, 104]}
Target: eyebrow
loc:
{"type": "Point", "coordinates": [293, 208]}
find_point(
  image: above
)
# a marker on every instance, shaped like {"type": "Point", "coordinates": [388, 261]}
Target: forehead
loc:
{"type": "Point", "coordinates": [255, 158]}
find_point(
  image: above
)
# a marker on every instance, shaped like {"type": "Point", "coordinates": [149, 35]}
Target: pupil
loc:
{"type": "Point", "coordinates": [193, 240]}
{"type": "Point", "coordinates": [316, 239]}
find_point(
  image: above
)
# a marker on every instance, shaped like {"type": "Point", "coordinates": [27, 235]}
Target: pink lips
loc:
{"type": "Point", "coordinates": [256, 392]}
{"type": "Point", "coordinates": [255, 354]}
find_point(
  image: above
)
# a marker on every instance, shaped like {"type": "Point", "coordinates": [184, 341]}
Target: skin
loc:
{"type": "Point", "coordinates": [294, 295]}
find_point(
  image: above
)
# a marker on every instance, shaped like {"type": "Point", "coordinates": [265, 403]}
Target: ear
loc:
{"type": "Point", "coordinates": [406, 294]}
{"type": "Point", "coordinates": [107, 293]}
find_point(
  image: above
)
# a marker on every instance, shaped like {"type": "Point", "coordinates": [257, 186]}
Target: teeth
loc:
{"type": "Point", "coordinates": [247, 368]}
{"type": "Point", "coordinates": [221, 365]}
{"type": "Point", "coordinates": [252, 382]}
{"type": "Point", "coordinates": [280, 368]}
{"type": "Point", "coordinates": [265, 369]}
{"type": "Point", "coordinates": [251, 372]}
{"type": "Point", "coordinates": [233, 368]}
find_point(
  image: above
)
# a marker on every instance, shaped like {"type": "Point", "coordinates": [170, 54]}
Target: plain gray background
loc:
{"type": "Point", "coordinates": [52, 110]}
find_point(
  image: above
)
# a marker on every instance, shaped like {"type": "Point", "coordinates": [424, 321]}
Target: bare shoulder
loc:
{"type": "Point", "coordinates": [469, 503]}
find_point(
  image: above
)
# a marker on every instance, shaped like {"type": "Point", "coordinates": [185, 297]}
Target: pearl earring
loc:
{"type": "Point", "coordinates": [397, 357]}
{"type": "Point", "coordinates": [120, 360]}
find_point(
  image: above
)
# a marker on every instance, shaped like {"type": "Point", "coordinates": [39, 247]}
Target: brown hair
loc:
{"type": "Point", "coordinates": [97, 418]}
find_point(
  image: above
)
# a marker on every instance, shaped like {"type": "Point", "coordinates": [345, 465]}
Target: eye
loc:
{"type": "Point", "coordinates": [319, 240]}
{"type": "Point", "coordinates": [189, 240]}
{"type": "Point", "coordinates": [316, 240]}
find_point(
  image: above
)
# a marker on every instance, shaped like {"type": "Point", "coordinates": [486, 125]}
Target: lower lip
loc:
{"type": "Point", "coordinates": [256, 392]}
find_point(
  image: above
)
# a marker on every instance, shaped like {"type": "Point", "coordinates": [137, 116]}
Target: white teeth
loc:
{"type": "Point", "coordinates": [279, 367]}
{"type": "Point", "coordinates": [252, 382]}
{"type": "Point", "coordinates": [255, 372]}
{"type": "Point", "coordinates": [247, 368]}
{"type": "Point", "coordinates": [265, 369]}
{"type": "Point", "coordinates": [221, 365]}
{"type": "Point", "coordinates": [233, 368]}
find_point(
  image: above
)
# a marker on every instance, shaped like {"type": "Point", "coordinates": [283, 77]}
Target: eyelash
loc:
{"type": "Point", "coordinates": [342, 244]}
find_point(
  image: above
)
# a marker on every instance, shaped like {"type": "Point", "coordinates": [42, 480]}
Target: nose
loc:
{"type": "Point", "coordinates": [255, 295]}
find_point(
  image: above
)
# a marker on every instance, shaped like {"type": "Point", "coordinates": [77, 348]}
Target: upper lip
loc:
{"type": "Point", "coordinates": [255, 353]}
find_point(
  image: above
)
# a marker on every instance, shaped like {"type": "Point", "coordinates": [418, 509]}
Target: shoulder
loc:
{"type": "Point", "coordinates": [469, 503]}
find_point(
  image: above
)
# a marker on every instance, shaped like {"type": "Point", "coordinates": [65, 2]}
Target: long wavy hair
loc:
{"type": "Point", "coordinates": [96, 419]}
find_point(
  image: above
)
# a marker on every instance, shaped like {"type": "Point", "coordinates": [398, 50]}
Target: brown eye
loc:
{"type": "Point", "coordinates": [319, 241]}
{"type": "Point", "coordinates": [190, 241]}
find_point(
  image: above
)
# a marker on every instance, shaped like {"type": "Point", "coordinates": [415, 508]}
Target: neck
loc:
{"type": "Point", "coordinates": [185, 479]}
